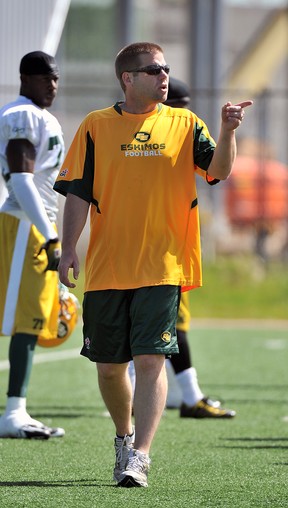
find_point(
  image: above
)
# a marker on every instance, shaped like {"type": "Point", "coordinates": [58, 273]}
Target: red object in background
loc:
{"type": "Point", "coordinates": [257, 190]}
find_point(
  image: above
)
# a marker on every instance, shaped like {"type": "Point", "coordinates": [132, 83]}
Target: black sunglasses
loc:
{"type": "Point", "coordinates": [152, 70]}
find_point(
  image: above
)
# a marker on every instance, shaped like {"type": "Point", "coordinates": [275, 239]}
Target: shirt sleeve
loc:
{"type": "Point", "coordinates": [204, 146]}
{"type": "Point", "coordinates": [76, 175]}
{"type": "Point", "coordinates": [21, 124]}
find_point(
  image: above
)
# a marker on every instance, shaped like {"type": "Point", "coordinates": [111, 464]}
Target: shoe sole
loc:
{"type": "Point", "coordinates": [208, 416]}
{"type": "Point", "coordinates": [30, 432]}
{"type": "Point", "coordinates": [130, 482]}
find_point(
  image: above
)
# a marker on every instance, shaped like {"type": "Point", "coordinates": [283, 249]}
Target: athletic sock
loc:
{"type": "Point", "coordinates": [188, 381]}
{"type": "Point", "coordinates": [15, 404]}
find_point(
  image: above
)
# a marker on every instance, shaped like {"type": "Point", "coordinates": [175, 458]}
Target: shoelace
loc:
{"type": "Point", "coordinates": [136, 462]}
{"type": "Point", "coordinates": [119, 451]}
{"type": "Point", "coordinates": [120, 443]}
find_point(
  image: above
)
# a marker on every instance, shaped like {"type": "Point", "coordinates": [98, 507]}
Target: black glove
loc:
{"type": "Point", "coordinates": [53, 251]}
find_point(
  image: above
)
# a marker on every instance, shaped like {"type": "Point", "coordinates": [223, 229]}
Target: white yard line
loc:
{"type": "Point", "coordinates": [264, 324]}
{"type": "Point", "coordinates": [52, 356]}
{"type": "Point", "coordinates": [258, 324]}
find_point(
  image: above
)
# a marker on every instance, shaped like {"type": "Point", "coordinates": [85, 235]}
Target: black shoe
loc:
{"type": "Point", "coordinates": [206, 408]}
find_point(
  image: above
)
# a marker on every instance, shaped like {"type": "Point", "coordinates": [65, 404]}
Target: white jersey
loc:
{"type": "Point", "coordinates": [22, 119]}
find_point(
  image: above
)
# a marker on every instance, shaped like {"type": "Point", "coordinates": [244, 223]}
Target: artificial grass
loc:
{"type": "Point", "coordinates": [197, 463]}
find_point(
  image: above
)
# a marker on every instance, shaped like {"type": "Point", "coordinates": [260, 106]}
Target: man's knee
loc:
{"type": "Point", "coordinates": [149, 363]}
{"type": "Point", "coordinates": [110, 371]}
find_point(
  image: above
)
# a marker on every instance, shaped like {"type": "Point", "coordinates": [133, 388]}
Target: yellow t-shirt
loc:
{"type": "Point", "coordinates": [138, 173]}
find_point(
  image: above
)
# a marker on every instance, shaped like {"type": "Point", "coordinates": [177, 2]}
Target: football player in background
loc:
{"type": "Point", "coordinates": [31, 151]}
{"type": "Point", "coordinates": [194, 404]}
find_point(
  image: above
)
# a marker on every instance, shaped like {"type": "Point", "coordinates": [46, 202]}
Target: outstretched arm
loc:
{"type": "Point", "coordinates": [74, 219]}
{"type": "Point", "coordinates": [225, 151]}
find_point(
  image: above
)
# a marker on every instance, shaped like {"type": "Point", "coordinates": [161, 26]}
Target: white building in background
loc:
{"type": "Point", "coordinates": [26, 25]}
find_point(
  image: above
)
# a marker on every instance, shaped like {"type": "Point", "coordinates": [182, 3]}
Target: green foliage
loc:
{"type": "Point", "coordinates": [86, 33]}
{"type": "Point", "coordinates": [242, 287]}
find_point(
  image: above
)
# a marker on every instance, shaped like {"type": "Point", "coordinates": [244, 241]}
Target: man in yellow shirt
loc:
{"type": "Point", "coordinates": [134, 166]}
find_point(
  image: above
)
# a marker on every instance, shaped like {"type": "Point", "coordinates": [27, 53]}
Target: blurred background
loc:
{"type": "Point", "coordinates": [224, 50]}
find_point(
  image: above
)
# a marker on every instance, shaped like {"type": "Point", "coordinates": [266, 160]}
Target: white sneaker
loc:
{"type": "Point", "coordinates": [136, 472]}
{"type": "Point", "coordinates": [19, 424]}
{"type": "Point", "coordinates": [122, 447]}
{"type": "Point", "coordinates": [54, 431]}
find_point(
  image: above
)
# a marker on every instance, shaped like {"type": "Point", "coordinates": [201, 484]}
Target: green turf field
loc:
{"type": "Point", "coordinates": [238, 463]}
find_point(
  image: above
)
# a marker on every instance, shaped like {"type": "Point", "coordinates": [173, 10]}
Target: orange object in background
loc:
{"type": "Point", "coordinates": [257, 190]}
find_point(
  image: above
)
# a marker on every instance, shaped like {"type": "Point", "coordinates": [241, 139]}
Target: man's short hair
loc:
{"type": "Point", "coordinates": [129, 57]}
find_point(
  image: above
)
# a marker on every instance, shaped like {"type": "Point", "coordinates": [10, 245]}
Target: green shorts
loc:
{"type": "Point", "coordinates": [119, 324]}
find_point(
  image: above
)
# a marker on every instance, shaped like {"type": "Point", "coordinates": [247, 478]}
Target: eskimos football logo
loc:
{"type": "Point", "coordinates": [142, 137]}
{"type": "Point", "coordinates": [141, 146]}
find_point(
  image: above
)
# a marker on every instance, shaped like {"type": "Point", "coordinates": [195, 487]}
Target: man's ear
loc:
{"type": "Point", "coordinates": [126, 78]}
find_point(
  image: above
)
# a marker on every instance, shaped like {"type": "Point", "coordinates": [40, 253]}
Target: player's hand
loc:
{"type": "Point", "coordinates": [53, 251]}
{"type": "Point", "coordinates": [69, 261]}
{"type": "Point", "coordinates": [233, 114]}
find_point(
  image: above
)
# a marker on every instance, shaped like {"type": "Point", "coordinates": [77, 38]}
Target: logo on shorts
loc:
{"type": "Point", "coordinates": [87, 343]}
{"type": "Point", "coordinates": [64, 172]}
{"type": "Point", "coordinates": [166, 336]}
